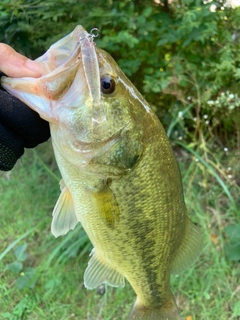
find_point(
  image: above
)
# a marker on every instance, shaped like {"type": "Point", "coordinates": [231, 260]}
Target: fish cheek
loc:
{"type": "Point", "coordinates": [130, 154]}
{"type": "Point", "coordinates": [124, 155]}
{"type": "Point", "coordinates": [132, 161]}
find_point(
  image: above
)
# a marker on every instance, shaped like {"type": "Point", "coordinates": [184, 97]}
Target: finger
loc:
{"type": "Point", "coordinates": [13, 64]}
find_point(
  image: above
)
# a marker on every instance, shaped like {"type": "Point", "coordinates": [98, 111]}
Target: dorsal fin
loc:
{"type": "Point", "coordinates": [64, 217]}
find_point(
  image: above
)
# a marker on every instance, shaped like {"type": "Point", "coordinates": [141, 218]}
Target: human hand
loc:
{"type": "Point", "coordinates": [15, 65]}
{"type": "Point", "coordinates": [20, 127]}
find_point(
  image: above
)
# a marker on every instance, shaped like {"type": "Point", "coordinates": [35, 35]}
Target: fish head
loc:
{"type": "Point", "coordinates": [83, 94]}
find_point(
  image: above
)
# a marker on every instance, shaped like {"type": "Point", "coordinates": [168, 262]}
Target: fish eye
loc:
{"type": "Point", "coordinates": [107, 85]}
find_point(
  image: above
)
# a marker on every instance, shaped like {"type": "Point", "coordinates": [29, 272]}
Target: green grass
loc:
{"type": "Point", "coordinates": [209, 290]}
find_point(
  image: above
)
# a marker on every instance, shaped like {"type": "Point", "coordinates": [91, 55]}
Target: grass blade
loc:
{"type": "Point", "coordinates": [211, 171]}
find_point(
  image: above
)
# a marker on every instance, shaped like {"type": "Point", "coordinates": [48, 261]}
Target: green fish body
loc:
{"type": "Point", "coordinates": [120, 178]}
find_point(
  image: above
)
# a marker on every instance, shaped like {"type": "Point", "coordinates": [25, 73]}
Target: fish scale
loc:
{"type": "Point", "coordinates": [122, 183]}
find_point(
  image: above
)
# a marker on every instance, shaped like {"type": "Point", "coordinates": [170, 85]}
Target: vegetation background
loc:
{"type": "Point", "coordinates": [184, 57]}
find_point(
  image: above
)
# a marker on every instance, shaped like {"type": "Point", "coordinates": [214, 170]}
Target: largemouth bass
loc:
{"type": "Point", "coordinates": [120, 178]}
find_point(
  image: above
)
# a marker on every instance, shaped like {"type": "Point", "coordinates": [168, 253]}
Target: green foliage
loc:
{"type": "Point", "coordinates": [74, 244]}
{"type": "Point", "coordinates": [236, 310]}
{"type": "Point", "coordinates": [179, 54]}
{"type": "Point", "coordinates": [185, 59]}
{"type": "Point", "coordinates": [26, 275]}
{"type": "Point", "coordinates": [232, 247]}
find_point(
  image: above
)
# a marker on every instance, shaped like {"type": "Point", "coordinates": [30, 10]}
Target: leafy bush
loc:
{"type": "Point", "coordinates": [181, 55]}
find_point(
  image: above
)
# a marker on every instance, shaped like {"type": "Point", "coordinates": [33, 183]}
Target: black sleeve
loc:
{"type": "Point", "coordinates": [20, 127]}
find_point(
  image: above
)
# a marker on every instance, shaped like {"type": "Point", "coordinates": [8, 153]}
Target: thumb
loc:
{"type": "Point", "coordinates": [13, 64]}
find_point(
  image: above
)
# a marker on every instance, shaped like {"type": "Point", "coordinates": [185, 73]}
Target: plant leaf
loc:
{"type": "Point", "coordinates": [26, 280]}
{"type": "Point", "coordinates": [15, 266]}
{"type": "Point", "coordinates": [20, 252]}
{"type": "Point", "coordinates": [233, 232]}
{"type": "Point", "coordinates": [232, 251]}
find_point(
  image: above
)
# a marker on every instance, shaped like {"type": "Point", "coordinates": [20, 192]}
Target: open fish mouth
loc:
{"type": "Point", "coordinates": [68, 95]}
{"type": "Point", "coordinates": [62, 64]}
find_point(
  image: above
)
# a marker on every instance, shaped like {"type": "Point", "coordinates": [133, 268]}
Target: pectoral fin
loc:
{"type": "Point", "coordinates": [64, 217]}
{"type": "Point", "coordinates": [189, 249]}
{"type": "Point", "coordinates": [99, 271]}
{"type": "Point", "coordinates": [107, 205]}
